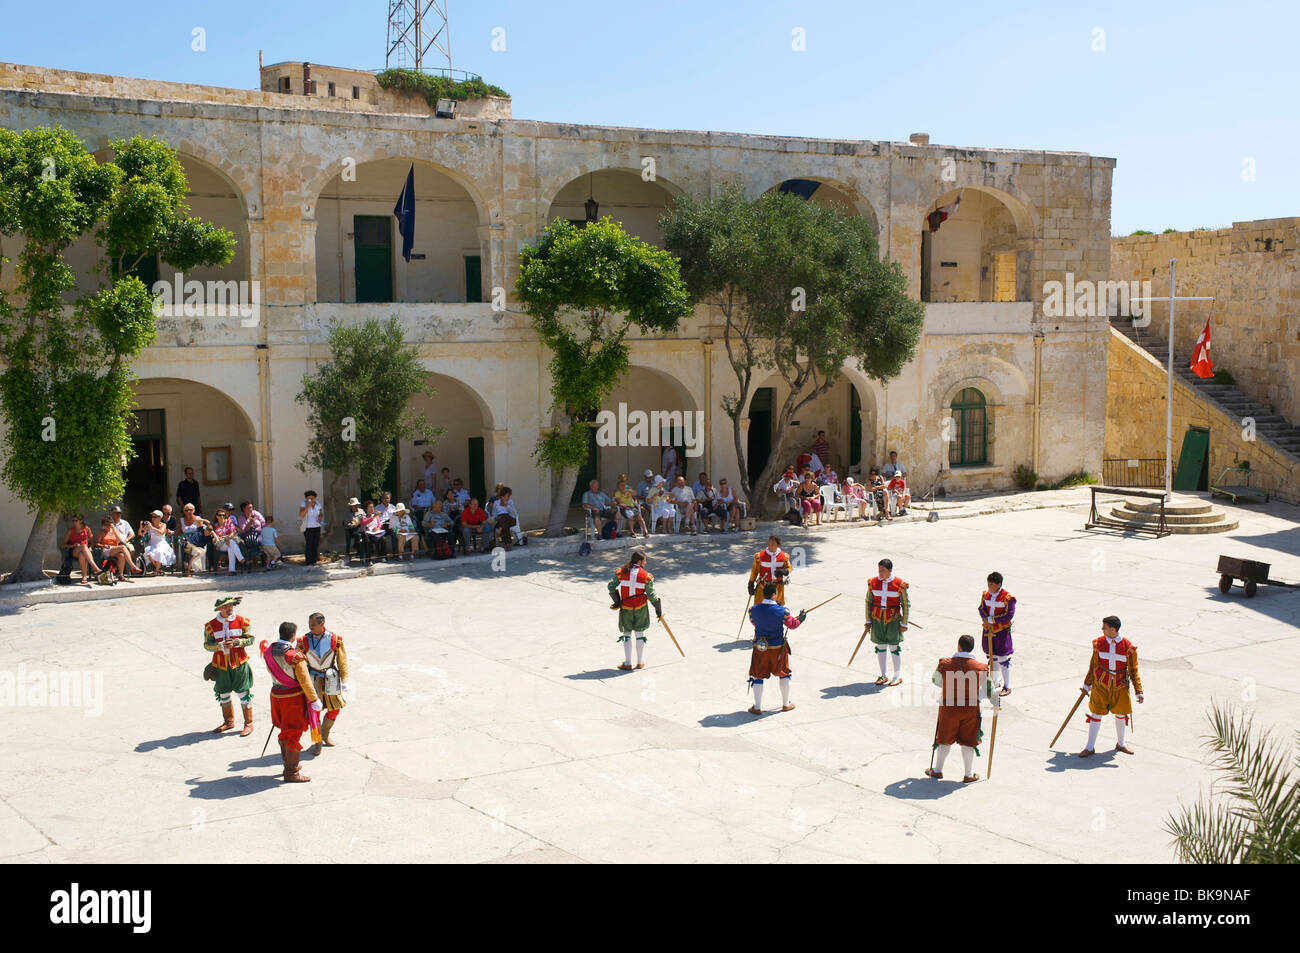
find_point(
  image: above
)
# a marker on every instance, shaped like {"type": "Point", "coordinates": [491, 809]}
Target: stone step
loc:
{"type": "Point", "coordinates": [1182, 507]}
{"type": "Point", "coordinates": [1184, 529]}
{"type": "Point", "coordinates": [1150, 519]}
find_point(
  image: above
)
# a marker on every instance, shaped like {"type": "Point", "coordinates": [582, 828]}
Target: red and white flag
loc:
{"type": "Point", "coordinates": [1201, 364]}
{"type": "Point", "coordinates": [942, 214]}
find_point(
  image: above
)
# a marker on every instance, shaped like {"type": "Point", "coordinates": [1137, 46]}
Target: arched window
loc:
{"type": "Point", "coordinates": [970, 423]}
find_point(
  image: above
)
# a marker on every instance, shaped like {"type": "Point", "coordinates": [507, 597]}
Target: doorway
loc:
{"type": "Point", "coordinates": [373, 240]}
{"type": "Point", "coordinates": [146, 472]}
{"type": "Point", "coordinates": [1193, 471]}
{"type": "Point", "coordinates": [759, 446]}
{"type": "Point", "coordinates": [589, 470]}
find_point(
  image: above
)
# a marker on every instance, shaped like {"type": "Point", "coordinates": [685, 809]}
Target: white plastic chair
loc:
{"type": "Point", "coordinates": [830, 501]}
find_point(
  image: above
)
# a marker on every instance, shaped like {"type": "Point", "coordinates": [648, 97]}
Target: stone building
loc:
{"type": "Point", "coordinates": [308, 183]}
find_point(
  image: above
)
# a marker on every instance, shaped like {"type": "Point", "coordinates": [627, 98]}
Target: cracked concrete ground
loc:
{"type": "Point", "coordinates": [490, 724]}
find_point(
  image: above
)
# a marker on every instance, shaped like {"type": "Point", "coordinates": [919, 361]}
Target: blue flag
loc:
{"type": "Point", "coordinates": [405, 212]}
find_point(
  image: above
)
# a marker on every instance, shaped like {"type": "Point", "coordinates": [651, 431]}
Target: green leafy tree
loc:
{"type": "Point", "coordinates": [801, 289]}
{"type": "Point", "coordinates": [584, 289]}
{"type": "Point", "coordinates": [1255, 817]}
{"type": "Point", "coordinates": [66, 386]}
{"type": "Point", "coordinates": [358, 406]}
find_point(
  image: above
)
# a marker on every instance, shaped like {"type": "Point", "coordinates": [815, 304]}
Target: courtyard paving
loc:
{"type": "Point", "coordinates": [489, 722]}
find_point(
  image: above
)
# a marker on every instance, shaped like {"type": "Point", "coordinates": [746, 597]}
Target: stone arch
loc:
{"type": "Point", "coordinates": [984, 251]}
{"type": "Point", "coordinates": [616, 179]}
{"type": "Point", "coordinates": [244, 184]}
{"type": "Point", "coordinates": [1004, 388]}
{"type": "Point", "coordinates": [648, 388]}
{"type": "Point", "coordinates": [320, 179]}
{"type": "Point", "coordinates": [841, 193]}
{"type": "Point", "coordinates": [472, 448]}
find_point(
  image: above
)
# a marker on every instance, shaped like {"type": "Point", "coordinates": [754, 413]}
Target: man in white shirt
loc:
{"type": "Point", "coordinates": [312, 515]}
{"type": "Point", "coordinates": [421, 500]}
{"type": "Point", "coordinates": [684, 500]}
{"type": "Point", "coordinates": [699, 485]}
{"type": "Point", "coordinates": [462, 494]}
{"type": "Point", "coordinates": [893, 467]}
{"type": "Point", "coordinates": [123, 529]}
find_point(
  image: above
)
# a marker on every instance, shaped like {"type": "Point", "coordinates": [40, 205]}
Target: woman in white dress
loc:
{"type": "Point", "coordinates": [158, 551]}
{"type": "Point", "coordinates": [661, 507]}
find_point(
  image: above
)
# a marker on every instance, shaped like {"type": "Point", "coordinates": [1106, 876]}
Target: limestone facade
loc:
{"type": "Point", "coordinates": [303, 180]}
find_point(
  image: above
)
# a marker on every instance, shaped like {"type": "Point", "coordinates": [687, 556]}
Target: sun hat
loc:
{"type": "Point", "coordinates": [353, 501]}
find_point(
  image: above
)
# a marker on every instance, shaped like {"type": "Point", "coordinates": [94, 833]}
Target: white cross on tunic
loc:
{"type": "Point", "coordinates": [631, 586]}
{"type": "Point", "coordinates": [883, 593]}
{"type": "Point", "coordinates": [770, 564]}
{"type": "Point", "coordinates": [1112, 657]}
{"type": "Point", "coordinates": [993, 604]}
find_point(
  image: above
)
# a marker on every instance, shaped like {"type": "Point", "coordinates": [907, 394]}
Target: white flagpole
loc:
{"type": "Point", "coordinates": [1169, 396]}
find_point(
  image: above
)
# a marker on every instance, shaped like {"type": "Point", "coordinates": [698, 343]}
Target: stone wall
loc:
{"type": "Point", "coordinates": [1135, 422]}
{"type": "Point", "coordinates": [1251, 270]}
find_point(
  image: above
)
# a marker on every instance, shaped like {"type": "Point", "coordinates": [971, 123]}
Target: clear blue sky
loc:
{"type": "Point", "coordinates": [1182, 95]}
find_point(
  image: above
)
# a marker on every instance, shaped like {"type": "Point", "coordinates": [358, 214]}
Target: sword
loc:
{"type": "Point", "coordinates": [823, 602]}
{"type": "Point", "coordinates": [267, 742]}
{"type": "Point", "coordinates": [859, 645]}
{"type": "Point", "coordinates": [1069, 716]}
{"type": "Point", "coordinates": [743, 616]}
{"type": "Point", "coordinates": [664, 623]}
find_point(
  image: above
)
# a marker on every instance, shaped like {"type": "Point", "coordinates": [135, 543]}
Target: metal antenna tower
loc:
{"type": "Point", "coordinates": [414, 28]}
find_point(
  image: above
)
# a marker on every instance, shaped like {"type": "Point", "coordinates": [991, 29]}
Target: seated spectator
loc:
{"type": "Point", "coordinates": [372, 534]}
{"type": "Point", "coordinates": [643, 489]}
{"type": "Point", "coordinates": [384, 510]}
{"type": "Point", "coordinates": [879, 490]}
{"type": "Point", "coordinates": [787, 488]}
{"type": "Point", "coordinates": [194, 536]}
{"type": "Point", "coordinates": [270, 539]}
{"type": "Point", "coordinates": [698, 486]}
{"type": "Point", "coordinates": [893, 467]}
{"type": "Point", "coordinates": [436, 523]}
{"type": "Point", "coordinates": [472, 520]}
{"type": "Point", "coordinates": [707, 503]}
{"type": "Point", "coordinates": [168, 519]}
{"type": "Point", "coordinates": [829, 477]}
{"type": "Point", "coordinates": [899, 493]}
{"type": "Point", "coordinates": [404, 532]}
{"type": "Point", "coordinates": [157, 551]}
{"type": "Point", "coordinates": [855, 495]}
{"type": "Point", "coordinates": [810, 497]}
{"type": "Point", "coordinates": [451, 504]}
{"type": "Point", "coordinates": [731, 504]}
{"type": "Point", "coordinates": [225, 536]}
{"type": "Point", "coordinates": [421, 500]}
{"type": "Point", "coordinates": [109, 546]}
{"type": "Point", "coordinates": [355, 533]}
{"type": "Point", "coordinates": [684, 501]}
{"type": "Point", "coordinates": [629, 507]}
{"type": "Point", "coordinates": [124, 532]}
{"type": "Point", "coordinates": [462, 494]}
{"type": "Point", "coordinates": [661, 506]}
{"type": "Point", "coordinates": [597, 503]}
{"type": "Point", "coordinates": [76, 545]}
{"type": "Point", "coordinates": [504, 517]}
{"type": "Point", "coordinates": [248, 519]}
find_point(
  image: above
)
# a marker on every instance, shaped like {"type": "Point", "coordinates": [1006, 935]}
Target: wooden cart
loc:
{"type": "Point", "coordinates": [1252, 574]}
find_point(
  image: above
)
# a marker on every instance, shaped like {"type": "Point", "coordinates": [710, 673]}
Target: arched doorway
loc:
{"type": "Point", "coordinates": [464, 449]}
{"type": "Point", "coordinates": [624, 196]}
{"type": "Point", "coordinates": [830, 193]}
{"type": "Point", "coordinates": [359, 247]}
{"type": "Point", "coordinates": [975, 246]}
{"type": "Point", "coordinates": [646, 404]}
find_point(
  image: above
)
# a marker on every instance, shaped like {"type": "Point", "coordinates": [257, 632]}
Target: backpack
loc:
{"type": "Point", "coordinates": [795, 517]}
{"type": "Point", "coordinates": [441, 546]}
{"type": "Point", "coordinates": [609, 530]}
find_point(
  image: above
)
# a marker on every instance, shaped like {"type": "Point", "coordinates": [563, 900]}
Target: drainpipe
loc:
{"type": "Point", "coordinates": [264, 445]}
{"type": "Point", "coordinates": [1038, 391]}
{"type": "Point", "coordinates": [708, 404]}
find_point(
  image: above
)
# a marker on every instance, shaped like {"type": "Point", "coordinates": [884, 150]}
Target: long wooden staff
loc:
{"type": "Point", "coordinates": [865, 628]}
{"type": "Point", "coordinates": [1069, 716]}
{"type": "Point", "coordinates": [664, 623]}
{"type": "Point", "coordinates": [744, 615]}
{"type": "Point", "coordinates": [824, 601]}
{"type": "Point", "coordinates": [993, 738]}
{"type": "Point", "coordinates": [268, 740]}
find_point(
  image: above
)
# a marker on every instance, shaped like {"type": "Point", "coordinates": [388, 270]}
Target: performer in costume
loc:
{"type": "Point", "coordinates": [887, 608]}
{"type": "Point", "coordinates": [226, 637]}
{"type": "Point", "coordinates": [1114, 664]}
{"type": "Point", "coordinates": [327, 661]}
{"type": "Point", "coordinates": [771, 655]}
{"type": "Point", "coordinates": [965, 681]}
{"type": "Point", "coordinates": [997, 608]}
{"type": "Point", "coordinates": [770, 565]}
{"type": "Point", "coordinates": [633, 591]}
{"type": "Point", "coordinates": [294, 705]}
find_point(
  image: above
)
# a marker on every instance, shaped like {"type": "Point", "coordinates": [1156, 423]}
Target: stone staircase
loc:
{"type": "Point", "coordinates": [1269, 426]}
{"type": "Point", "coordinates": [1183, 516]}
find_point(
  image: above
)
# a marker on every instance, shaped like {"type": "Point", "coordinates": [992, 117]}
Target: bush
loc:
{"type": "Point", "coordinates": [1225, 377]}
{"type": "Point", "coordinates": [1078, 478]}
{"type": "Point", "coordinates": [1025, 477]}
{"type": "Point", "coordinates": [438, 87]}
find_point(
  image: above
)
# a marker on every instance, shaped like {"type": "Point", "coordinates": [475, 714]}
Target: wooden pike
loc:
{"type": "Point", "coordinates": [744, 616]}
{"type": "Point", "coordinates": [865, 629]}
{"type": "Point", "coordinates": [993, 738]}
{"type": "Point", "coordinates": [664, 623]}
{"type": "Point", "coordinates": [824, 601]}
{"type": "Point", "coordinates": [1069, 716]}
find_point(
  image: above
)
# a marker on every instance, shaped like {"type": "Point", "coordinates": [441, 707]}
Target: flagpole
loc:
{"type": "Point", "coordinates": [1169, 396]}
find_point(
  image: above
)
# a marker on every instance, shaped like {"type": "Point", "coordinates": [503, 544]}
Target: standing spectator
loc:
{"type": "Point", "coordinates": [684, 501]}
{"type": "Point", "coordinates": [472, 520]}
{"type": "Point", "coordinates": [893, 467]}
{"type": "Point", "coordinates": [225, 535]}
{"type": "Point", "coordinates": [270, 538]}
{"type": "Point", "coordinates": [504, 517]}
{"type": "Point", "coordinates": [403, 529]}
{"type": "Point", "coordinates": [880, 491]}
{"type": "Point", "coordinates": [312, 516]}
{"type": "Point", "coordinates": [597, 503]}
{"type": "Point", "coordinates": [900, 494]}
{"type": "Point", "coordinates": [629, 507]}
{"type": "Point", "coordinates": [820, 447]}
{"type": "Point", "coordinates": [194, 535]}
{"type": "Point", "coordinates": [421, 500]}
{"type": "Point", "coordinates": [444, 481]}
{"type": "Point", "coordinates": [187, 491]}
{"type": "Point", "coordinates": [810, 498]}
{"type": "Point", "coordinates": [157, 550]}
{"type": "Point", "coordinates": [669, 464]}
{"type": "Point", "coordinates": [430, 471]}
{"type": "Point", "coordinates": [77, 546]}
{"type": "Point", "coordinates": [855, 494]}
{"type": "Point", "coordinates": [730, 503]}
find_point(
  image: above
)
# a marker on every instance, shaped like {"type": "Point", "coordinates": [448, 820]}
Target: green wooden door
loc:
{"type": "Point", "coordinates": [373, 235]}
{"type": "Point", "coordinates": [1194, 461]}
{"type": "Point", "coordinates": [473, 278]}
{"type": "Point", "coordinates": [855, 430]}
{"type": "Point", "coordinates": [477, 471]}
{"type": "Point", "coordinates": [759, 444]}
{"type": "Point", "coordinates": [589, 469]}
